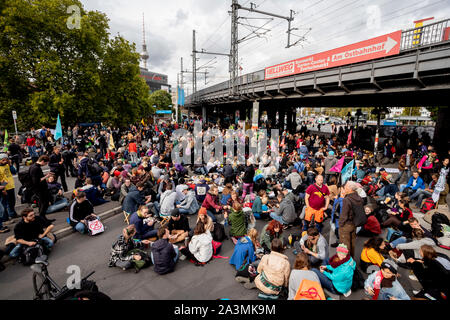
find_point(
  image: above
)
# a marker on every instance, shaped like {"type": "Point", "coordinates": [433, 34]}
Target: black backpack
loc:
{"type": "Point", "coordinates": [359, 216]}
{"type": "Point", "coordinates": [93, 167]}
{"type": "Point", "coordinates": [25, 178]}
{"type": "Point", "coordinates": [219, 232]}
{"type": "Point", "coordinates": [31, 253]}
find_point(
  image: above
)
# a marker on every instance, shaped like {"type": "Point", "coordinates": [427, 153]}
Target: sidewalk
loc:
{"type": "Point", "coordinates": [62, 228]}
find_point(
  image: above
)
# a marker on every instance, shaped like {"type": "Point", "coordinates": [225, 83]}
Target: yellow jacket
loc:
{"type": "Point", "coordinates": [372, 256]}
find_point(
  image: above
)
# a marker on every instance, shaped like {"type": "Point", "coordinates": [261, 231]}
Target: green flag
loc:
{"type": "Point", "coordinates": [6, 141]}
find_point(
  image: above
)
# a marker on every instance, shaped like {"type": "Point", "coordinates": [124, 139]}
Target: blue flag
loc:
{"type": "Point", "coordinates": [58, 130]}
{"type": "Point", "coordinates": [347, 172]}
{"type": "Point", "coordinates": [180, 101]}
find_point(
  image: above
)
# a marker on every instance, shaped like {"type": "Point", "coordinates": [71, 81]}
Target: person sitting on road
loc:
{"type": "Point", "coordinates": [178, 226]}
{"type": "Point", "coordinates": [30, 230]}
{"type": "Point", "coordinates": [271, 231]}
{"type": "Point", "coordinates": [121, 248]}
{"type": "Point", "coordinates": [211, 203]}
{"type": "Point", "coordinates": [126, 187]}
{"type": "Point", "coordinates": [80, 209]}
{"type": "Point", "coordinates": [189, 204]}
{"type": "Point", "coordinates": [273, 272]}
{"type": "Point", "coordinates": [301, 271]}
{"type": "Point", "coordinates": [314, 245]}
{"type": "Point", "coordinates": [144, 223]}
{"type": "Point", "coordinates": [134, 199]}
{"type": "Point", "coordinates": [372, 227]}
{"type": "Point", "coordinates": [236, 220]}
{"type": "Point", "coordinates": [371, 255]}
{"type": "Point", "coordinates": [57, 199]}
{"type": "Point", "coordinates": [200, 249]}
{"type": "Point", "coordinates": [398, 217]}
{"type": "Point", "coordinates": [164, 254]}
{"type": "Point", "coordinates": [203, 217]}
{"type": "Point", "coordinates": [167, 201]}
{"type": "Point", "coordinates": [285, 213]}
{"type": "Point", "coordinates": [384, 285]}
{"type": "Point", "coordinates": [432, 270]}
{"type": "Point", "coordinates": [337, 276]}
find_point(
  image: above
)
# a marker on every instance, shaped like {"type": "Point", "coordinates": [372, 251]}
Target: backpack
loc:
{"type": "Point", "coordinates": [94, 226]}
{"type": "Point", "coordinates": [145, 261]}
{"type": "Point", "coordinates": [30, 254]}
{"type": "Point", "coordinates": [25, 178]}
{"type": "Point", "coordinates": [359, 216]}
{"type": "Point", "coordinates": [427, 205]}
{"type": "Point", "coordinates": [219, 232]}
{"type": "Point", "coordinates": [93, 167]}
{"type": "Point", "coordinates": [358, 280]}
{"type": "Point", "coordinates": [217, 246]}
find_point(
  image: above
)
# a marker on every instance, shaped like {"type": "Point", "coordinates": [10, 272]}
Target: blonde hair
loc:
{"type": "Point", "coordinates": [253, 235]}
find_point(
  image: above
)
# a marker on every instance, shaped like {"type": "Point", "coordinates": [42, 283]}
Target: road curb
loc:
{"type": "Point", "coordinates": [66, 231]}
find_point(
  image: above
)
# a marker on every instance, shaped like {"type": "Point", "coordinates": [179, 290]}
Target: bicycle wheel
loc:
{"type": "Point", "coordinates": [41, 287]}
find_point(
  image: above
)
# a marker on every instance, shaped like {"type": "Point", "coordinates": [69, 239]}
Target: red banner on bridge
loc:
{"type": "Point", "coordinates": [379, 47]}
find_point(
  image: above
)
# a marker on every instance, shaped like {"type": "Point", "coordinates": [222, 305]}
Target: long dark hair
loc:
{"type": "Point", "coordinates": [374, 243]}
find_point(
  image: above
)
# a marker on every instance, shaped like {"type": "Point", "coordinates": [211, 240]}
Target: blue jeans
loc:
{"type": "Point", "coordinates": [185, 211]}
{"type": "Point", "coordinates": [391, 232]}
{"type": "Point", "coordinates": [18, 248]}
{"type": "Point", "coordinates": [81, 228]}
{"type": "Point", "coordinates": [58, 205]}
{"type": "Point", "coordinates": [416, 194]}
{"type": "Point", "coordinates": [408, 175]}
{"type": "Point", "coordinates": [2, 212]}
{"type": "Point", "coordinates": [422, 196]}
{"type": "Point", "coordinates": [400, 240]}
{"type": "Point", "coordinates": [177, 251]}
{"type": "Point", "coordinates": [213, 217]}
{"type": "Point", "coordinates": [278, 218]}
{"type": "Point", "coordinates": [325, 282]}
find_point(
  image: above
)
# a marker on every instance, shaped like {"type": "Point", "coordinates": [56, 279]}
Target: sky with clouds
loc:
{"type": "Point", "coordinates": [333, 23]}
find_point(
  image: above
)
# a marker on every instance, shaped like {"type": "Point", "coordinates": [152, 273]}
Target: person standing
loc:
{"type": "Point", "coordinates": [57, 166]}
{"type": "Point", "coordinates": [347, 228]}
{"type": "Point", "coordinates": [7, 186]}
{"type": "Point", "coordinates": [39, 185]}
{"type": "Point", "coordinates": [14, 153]}
{"type": "Point", "coordinates": [317, 200]}
{"type": "Point", "coordinates": [405, 165]}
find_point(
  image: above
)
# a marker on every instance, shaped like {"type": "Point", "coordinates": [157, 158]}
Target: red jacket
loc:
{"type": "Point", "coordinates": [373, 225]}
{"type": "Point", "coordinates": [211, 202]}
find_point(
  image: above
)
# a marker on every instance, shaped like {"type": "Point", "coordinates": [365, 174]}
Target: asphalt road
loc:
{"type": "Point", "coordinates": [188, 282]}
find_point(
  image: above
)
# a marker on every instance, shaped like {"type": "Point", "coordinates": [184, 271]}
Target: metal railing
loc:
{"type": "Point", "coordinates": [426, 35]}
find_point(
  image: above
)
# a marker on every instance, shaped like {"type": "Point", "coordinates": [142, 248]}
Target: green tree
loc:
{"type": "Point", "coordinates": [47, 68]}
{"type": "Point", "coordinates": [411, 111]}
{"type": "Point", "coordinates": [161, 99]}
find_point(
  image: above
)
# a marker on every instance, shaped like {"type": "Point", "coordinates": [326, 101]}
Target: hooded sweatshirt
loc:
{"type": "Point", "coordinates": [163, 256]}
{"type": "Point", "coordinates": [347, 215]}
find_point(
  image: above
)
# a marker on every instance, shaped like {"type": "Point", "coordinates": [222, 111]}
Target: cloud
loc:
{"type": "Point", "coordinates": [169, 26]}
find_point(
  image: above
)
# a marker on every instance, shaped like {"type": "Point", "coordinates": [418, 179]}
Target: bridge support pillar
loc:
{"type": "Point", "coordinates": [290, 114]}
{"type": "Point", "coordinates": [281, 121]}
{"type": "Point", "coordinates": [204, 114]}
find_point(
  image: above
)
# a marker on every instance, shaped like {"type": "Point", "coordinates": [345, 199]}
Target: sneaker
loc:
{"type": "Point", "coordinates": [4, 230]}
{"type": "Point", "coordinates": [250, 285]}
{"type": "Point", "coordinates": [182, 257]}
{"type": "Point", "coordinates": [348, 293]}
{"type": "Point", "coordinates": [415, 292]}
{"type": "Point", "coordinates": [242, 280]}
{"type": "Point", "coordinates": [413, 277]}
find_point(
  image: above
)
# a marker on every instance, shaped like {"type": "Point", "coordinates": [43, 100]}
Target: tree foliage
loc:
{"type": "Point", "coordinates": [47, 68]}
{"type": "Point", "coordinates": [161, 99]}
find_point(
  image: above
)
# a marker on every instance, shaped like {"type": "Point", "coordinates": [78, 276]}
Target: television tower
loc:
{"type": "Point", "coordinates": [144, 54]}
